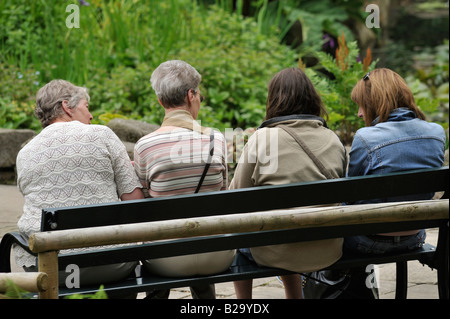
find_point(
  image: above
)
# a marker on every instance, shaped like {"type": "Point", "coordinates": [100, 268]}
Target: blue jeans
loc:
{"type": "Point", "coordinates": [247, 253]}
{"type": "Point", "coordinates": [381, 245]}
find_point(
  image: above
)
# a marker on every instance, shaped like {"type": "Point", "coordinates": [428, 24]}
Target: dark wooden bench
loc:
{"type": "Point", "coordinates": [251, 200]}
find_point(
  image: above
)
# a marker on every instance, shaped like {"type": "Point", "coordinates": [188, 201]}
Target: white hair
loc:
{"type": "Point", "coordinates": [171, 81]}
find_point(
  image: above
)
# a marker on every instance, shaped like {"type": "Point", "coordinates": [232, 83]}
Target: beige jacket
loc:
{"type": "Point", "coordinates": [273, 157]}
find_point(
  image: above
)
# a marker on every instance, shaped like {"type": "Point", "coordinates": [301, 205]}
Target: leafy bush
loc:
{"type": "Point", "coordinates": [236, 63]}
{"type": "Point", "coordinates": [343, 72]}
{"type": "Point", "coordinates": [113, 54]}
{"type": "Point", "coordinates": [13, 291]}
{"type": "Point", "coordinates": [120, 42]}
{"type": "Point", "coordinates": [100, 294]}
{"type": "Point", "coordinates": [430, 84]}
{"type": "Point", "coordinates": [432, 72]}
{"type": "Point", "coordinates": [16, 98]}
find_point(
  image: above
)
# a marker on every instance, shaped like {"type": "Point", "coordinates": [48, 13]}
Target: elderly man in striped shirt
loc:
{"type": "Point", "coordinates": [182, 157]}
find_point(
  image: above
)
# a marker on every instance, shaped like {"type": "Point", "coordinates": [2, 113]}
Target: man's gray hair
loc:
{"type": "Point", "coordinates": [49, 99]}
{"type": "Point", "coordinates": [172, 80]}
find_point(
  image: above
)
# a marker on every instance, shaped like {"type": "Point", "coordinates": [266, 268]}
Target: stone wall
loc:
{"type": "Point", "coordinates": [11, 142]}
{"type": "Point", "coordinates": [130, 131]}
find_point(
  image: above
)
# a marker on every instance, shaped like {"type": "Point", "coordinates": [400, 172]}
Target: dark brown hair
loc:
{"type": "Point", "coordinates": [292, 92]}
{"type": "Point", "coordinates": [381, 92]}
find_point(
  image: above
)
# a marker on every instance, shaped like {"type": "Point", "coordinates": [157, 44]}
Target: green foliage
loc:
{"type": "Point", "coordinates": [336, 89]}
{"type": "Point", "coordinates": [17, 84]}
{"type": "Point", "coordinates": [316, 17]}
{"type": "Point", "coordinates": [17, 88]}
{"type": "Point", "coordinates": [100, 294]}
{"type": "Point", "coordinates": [16, 102]}
{"type": "Point", "coordinates": [119, 44]}
{"type": "Point", "coordinates": [14, 292]}
{"type": "Point", "coordinates": [430, 83]}
{"type": "Point", "coordinates": [433, 67]}
{"type": "Point", "coordinates": [17, 115]}
{"type": "Point", "coordinates": [236, 63]}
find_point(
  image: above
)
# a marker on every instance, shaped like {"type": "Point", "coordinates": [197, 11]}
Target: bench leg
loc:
{"type": "Point", "coordinates": [401, 280]}
{"type": "Point", "coordinates": [443, 279]}
{"type": "Point", "coordinates": [48, 264]}
{"type": "Point", "coordinates": [442, 252]}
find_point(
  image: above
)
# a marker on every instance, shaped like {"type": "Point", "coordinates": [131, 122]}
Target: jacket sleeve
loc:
{"type": "Point", "coordinates": [359, 164]}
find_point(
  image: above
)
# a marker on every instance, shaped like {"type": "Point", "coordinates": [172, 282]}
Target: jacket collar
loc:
{"type": "Point", "coordinates": [398, 115]}
{"type": "Point", "coordinates": [278, 119]}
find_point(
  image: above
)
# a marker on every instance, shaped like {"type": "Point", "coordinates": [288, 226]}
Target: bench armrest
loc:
{"type": "Point", "coordinates": [5, 249]}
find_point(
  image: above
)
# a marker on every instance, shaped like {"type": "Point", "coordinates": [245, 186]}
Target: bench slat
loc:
{"type": "Point", "coordinates": [222, 242]}
{"type": "Point", "coordinates": [260, 221]}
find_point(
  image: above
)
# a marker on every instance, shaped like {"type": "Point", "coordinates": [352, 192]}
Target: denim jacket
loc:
{"type": "Point", "coordinates": [402, 143]}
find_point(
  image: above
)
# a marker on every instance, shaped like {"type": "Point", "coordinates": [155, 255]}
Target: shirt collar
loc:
{"type": "Point", "coordinates": [184, 119]}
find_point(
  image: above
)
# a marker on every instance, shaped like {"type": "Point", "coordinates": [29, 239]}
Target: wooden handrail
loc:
{"type": "Point", "coordinates": [28, 281]}
{"type": "Point", "coordinates": [238, 223]}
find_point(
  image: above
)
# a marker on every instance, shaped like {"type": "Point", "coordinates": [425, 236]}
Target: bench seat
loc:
{"type": "Point", "coordinates": [243, 268]}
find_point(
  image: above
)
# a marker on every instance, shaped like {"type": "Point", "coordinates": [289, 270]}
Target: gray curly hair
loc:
{"type": "Point", "coordinates": [49, 99]}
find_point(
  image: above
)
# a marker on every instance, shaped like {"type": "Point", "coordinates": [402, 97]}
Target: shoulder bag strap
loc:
{"type": "Point", "coordinates": [307, 151]}
{"type": "Point", "coordinates": [208, 162]}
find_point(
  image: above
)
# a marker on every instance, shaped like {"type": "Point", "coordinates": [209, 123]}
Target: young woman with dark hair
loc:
{"type": "Point", "coordinates": [273, 156]}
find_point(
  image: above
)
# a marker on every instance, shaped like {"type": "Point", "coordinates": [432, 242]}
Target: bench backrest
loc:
{"type": "Point", "coordinates": [244, 200]}
{"type": "Point", "coordinates": [193, 245]}
{"type": "Point", "coordinates": [249, 200]}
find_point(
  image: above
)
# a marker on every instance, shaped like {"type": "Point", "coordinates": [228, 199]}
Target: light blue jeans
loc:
{"type": "Point", "coordinates": [381, 245]}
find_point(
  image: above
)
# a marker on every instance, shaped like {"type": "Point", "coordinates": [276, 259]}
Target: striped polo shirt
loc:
{"type": "Point", "coordinates": [172, 162]}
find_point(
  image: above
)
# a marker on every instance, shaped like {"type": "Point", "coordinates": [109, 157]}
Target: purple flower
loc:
{"type": "Point", "coordinates": [328, 41]}
{"type": "Point", "coordinates": [83, 3]}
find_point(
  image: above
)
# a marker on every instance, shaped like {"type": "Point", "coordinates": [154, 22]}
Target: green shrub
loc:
{"type": "Point", "coordinates": [17, 98]}
{"type": "Point", "coordinates": [430, 90]}
{"type": "Point", "coordinates": [236, 63]}
{"type": "Point", "coordinates": [344, 72]}
{"type": "Point", "coordinates": [120, 42]}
